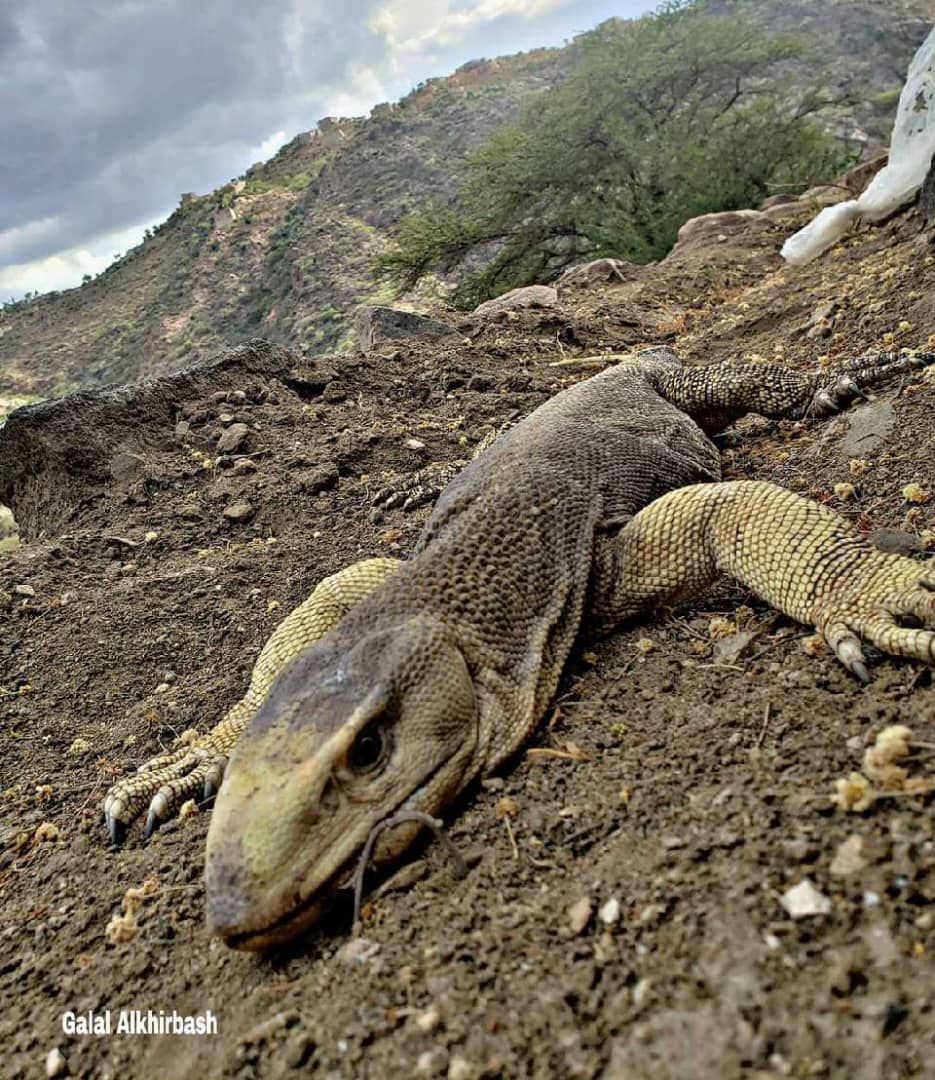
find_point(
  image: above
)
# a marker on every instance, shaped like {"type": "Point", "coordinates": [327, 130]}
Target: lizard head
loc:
{"type": "Point", "coordinates": [358, 726]}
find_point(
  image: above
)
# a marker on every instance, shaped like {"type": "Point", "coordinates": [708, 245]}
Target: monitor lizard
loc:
{"type": "Point", "coordinates": [398, 683]}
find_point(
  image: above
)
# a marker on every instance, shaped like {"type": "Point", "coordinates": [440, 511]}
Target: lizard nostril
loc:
{"type": "Point", "coordinates": [330, 797]}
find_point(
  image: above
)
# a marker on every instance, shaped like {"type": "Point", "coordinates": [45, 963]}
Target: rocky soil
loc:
{"type": "Point", "coordinates": [627, 911]}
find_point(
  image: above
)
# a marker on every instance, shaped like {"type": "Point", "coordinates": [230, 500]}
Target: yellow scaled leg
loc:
{"type": "Point", "coordinates": [797, 555]}
{"type": "Point", "coordinates": [195, 766]}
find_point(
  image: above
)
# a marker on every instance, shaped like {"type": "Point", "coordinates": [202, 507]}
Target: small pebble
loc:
{"type": "Point", "coordinates": [55, 1063]}
{"type": "Point", "coordinates": [849, 858]}
{"type": "Point", "coordinates": [579, 914]}
{"type": "Point", "coordinates": [610, 911]}
{"type": "Point", "coordinates": [239, 512]}
{"type": "Point", "coordinates": [232, 439]}
{"type": "Point", "coordinates": [460, 1068]}
{"type": "Point", "coordinates": [803, 901]}
{"type": "Point", "coordinates": [429, 1020]}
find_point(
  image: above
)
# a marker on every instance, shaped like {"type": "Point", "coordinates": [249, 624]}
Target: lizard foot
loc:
{"type": "Point", "coordinates": [896, 617]}
{"type": "Point", "coordinates": [418, 488]}
{"type": "Point", "coordinates": [164, 783]}
{"type": "Point", "coordinates": [863, 374]}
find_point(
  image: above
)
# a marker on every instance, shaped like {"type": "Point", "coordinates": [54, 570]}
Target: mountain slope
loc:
{"type": "Point", "coordinates": [286, 252]}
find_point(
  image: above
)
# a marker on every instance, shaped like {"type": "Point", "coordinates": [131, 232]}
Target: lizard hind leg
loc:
{"type": "Point", "coordinates": [797, 555]}
{"type": "Point", "coordinates": [194, 767]}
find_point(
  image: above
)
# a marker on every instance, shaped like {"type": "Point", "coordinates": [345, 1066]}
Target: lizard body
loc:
{"type": "Point", "coordinates": [395, 685]}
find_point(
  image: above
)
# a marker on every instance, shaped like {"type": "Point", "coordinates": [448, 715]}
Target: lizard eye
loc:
{"type": "Point", "coordinates": [368, 750]}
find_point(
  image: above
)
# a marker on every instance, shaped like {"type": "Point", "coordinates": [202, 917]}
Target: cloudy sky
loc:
{"type": "Point", "coordinates": [110, 109]}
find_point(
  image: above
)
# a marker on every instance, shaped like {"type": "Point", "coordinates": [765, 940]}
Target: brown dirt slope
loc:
{"type": "Point", "coordinates": [136, 608]}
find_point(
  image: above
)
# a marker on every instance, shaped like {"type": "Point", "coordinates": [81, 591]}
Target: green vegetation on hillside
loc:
{"type": "Point", "coordinates": [662, 119]}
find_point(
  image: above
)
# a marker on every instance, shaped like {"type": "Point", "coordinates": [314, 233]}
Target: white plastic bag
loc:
{"type": "Point", "coordinates": [912, 146]}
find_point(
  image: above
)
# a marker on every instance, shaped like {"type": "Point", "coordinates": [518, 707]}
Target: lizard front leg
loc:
{"type": "Point", "coordinates": [718, 394]}
{"type": "Point", "coordinates": [794, 553]}
{"type": "Point", "coordinates": [195, 766]}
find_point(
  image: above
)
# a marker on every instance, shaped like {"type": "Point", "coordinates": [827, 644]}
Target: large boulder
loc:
{"type": "Point", "coordinates": [378, 324]}
{"type": "Point", "coordinates": [532, 296]}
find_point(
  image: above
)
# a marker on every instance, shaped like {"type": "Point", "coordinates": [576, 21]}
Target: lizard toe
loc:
{"type": "Point", "coordinates": [917, 603]}
{"type": "Point", "coordinates": [190, 774]}
{"type": "Point", "coordinates": [847, 648]}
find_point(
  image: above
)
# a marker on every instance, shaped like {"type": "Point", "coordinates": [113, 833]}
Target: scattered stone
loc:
{"type": "Point", "coordinates": [243, 467]}
{"type": "Point", "coordinates": [532, 296]}
{"type": "Point", "coordinates": [376, 324]}
{"type": "Point", "coordinates": [600, 270]}
{"type": "Point", "coordinates": [190, 512]}
{"type": "Point", "coordinates": [868, 427]}
{"type": "Point", "coordinates": [414, 444]}
{"type": "Point", "coordinates": [79, 746]}
{"type": "Point", "coordinates": [358, 950]}
{"type": "Point", "coordinates": [460, 1068]}
{"type": "Point", "coordinates": [24, 590]}
{"type": "Point", "coordinates": [728, 650]}
{"type": "Point", "coordinates": [232, 439]}
{"type": "Point", "coordinates": [803, 901]}
{"type": "Point", "coordinates": [849, 858]}
{"type": "Point", "coordinates": [579, 915]}
{"type": "Point", "coordinates": [323, 478]}
{"type": "Point", "coordinates": [821, 322]}
{"type": "Point", "coordinates": [55, 1063]}
{"type": "Point", "coordinates": [182, 428]}
{"type": "Point", "coordinates": [428, 1020]}
{"type": "Point", "coordinates": [239, 512]}
{"type": "Point", "coordinates": [431, 1062]}
{"type": "Point", "coordinates": [610, 911]}
{"type": "Point", "coordinates": [641, 992]}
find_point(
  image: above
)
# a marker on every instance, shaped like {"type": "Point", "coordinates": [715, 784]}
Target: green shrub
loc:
{"type": "Point", "coordinates": [662, 119]}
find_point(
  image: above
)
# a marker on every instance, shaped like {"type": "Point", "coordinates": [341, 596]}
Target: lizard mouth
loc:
{"type": "Point", "coordinates": [305, 913]}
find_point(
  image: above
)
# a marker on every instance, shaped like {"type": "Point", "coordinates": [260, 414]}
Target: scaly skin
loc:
{"type": "Point", "coordinates": [604, 503]}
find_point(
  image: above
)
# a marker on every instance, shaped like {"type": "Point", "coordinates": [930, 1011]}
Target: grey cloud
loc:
{"type": "Point", "coordinates": [109, 110]}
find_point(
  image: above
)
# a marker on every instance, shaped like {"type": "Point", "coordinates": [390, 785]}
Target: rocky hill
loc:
{"type": "Point", "coordinates": [286, 251]}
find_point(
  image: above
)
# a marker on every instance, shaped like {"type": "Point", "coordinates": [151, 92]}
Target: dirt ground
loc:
{"type": "Point", "coordinates": [701, 794]}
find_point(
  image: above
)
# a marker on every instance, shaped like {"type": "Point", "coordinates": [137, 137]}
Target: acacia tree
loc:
{"type": "Point", "coordinates": [661, 119]}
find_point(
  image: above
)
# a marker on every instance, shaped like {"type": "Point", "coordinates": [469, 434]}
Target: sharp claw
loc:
{"type": "Point", "coordinates": [213, 781]}
{"type": "Point", "coordinates": [157, 812]}
{"type": "Point", "coordinates": [116, 828]}
{"type": "Point", "coordinates": [824, 399]}
{"type": "Point", "coordinates": [860, 670]}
